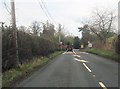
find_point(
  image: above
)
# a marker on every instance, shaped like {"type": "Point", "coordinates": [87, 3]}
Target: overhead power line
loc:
{"type": "Point", "coordinates": [48, 11]}
{"type": "Point", "coordinates": [6, 7]}
{"type": "Point", "coordinates": [43, 10]}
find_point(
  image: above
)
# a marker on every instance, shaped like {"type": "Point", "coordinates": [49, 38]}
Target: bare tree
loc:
{"type": "Point", "coordinates": [36, 27]}
{"type": "Point", "coordinates": [22, 28]}
{"type": "Point", "coordinates": [102, 24]}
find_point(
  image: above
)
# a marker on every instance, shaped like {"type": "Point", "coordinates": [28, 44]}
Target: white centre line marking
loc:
{"type": "Point", "coordinates": [80, 60]}
{"type": "Point", "coordinates": [87, 67]}
{"type": "Point", "coordinates": [102, 85]}
{"type": "Point", "coordinates": [74, 52]}
{"type": "Point", "coordinates": [76, 55]}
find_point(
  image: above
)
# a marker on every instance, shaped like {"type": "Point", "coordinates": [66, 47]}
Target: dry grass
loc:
{"type": "Point", "coordinates": [23, 70]}
{"type": "Point", "coordinates": [104, 47]}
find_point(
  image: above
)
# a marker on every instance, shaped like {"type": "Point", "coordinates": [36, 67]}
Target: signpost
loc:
{"type": "Point", "coordinates": [90, 45]}
{"type": "Point", "coordinates": [82, 46]}
{"type": "Point", "coordinates": [61, 45]}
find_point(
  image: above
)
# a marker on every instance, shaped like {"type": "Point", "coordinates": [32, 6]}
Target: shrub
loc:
{"type": "Point", "coordinates": [28, 47]}
{"type": "Point", "coordinates": [117, 44]}
{"type": "Point", "coordinates": [8, 50]}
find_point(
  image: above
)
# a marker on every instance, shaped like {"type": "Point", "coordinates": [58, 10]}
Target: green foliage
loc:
{"type": "Point", "coordinates": [28, 47]}
{"type": "Point", "coordinates": [103, 53]}
{"type": "Point", "coordinates": [110, 39]}
{"type": "Point", "coordinates": [69, 39]}
{"type": "Point", "coordinates": [30, 44]}
{"type": "Point", "coordinates": [76, 43]}
{"type": "Point", "coordinates": [8, 49]}
{"type": "Point", "coordinates": [87, 35]}
{"type": "Point", "coordinates": [68, 43]}
{"type": "Point", "coordinates": [66, 39]}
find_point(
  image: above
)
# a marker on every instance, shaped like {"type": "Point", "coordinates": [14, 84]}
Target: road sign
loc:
{"type": "Point", "coordinates": [61, 42]}
{"type": "Point", "coordinates": [60, 47]}
{"type": "Point", "coordinates": [82, 46]}
{"type": "Point", "coordinates": [90, 45]}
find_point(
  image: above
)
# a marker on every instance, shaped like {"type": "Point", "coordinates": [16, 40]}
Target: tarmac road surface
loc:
{"type": "Point", "coordinates": [75, 69]}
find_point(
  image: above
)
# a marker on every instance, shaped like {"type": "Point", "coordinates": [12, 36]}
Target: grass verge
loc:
{"type": "Point", "coordinates": [111, 55]}
{"type": "Point", "coordinates": [13, 76]}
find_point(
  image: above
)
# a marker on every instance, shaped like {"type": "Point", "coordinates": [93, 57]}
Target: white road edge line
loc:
{"type": "Point", "coordinates": [87, 67]}
{"type": "Point", "coordinates": [102, 85]}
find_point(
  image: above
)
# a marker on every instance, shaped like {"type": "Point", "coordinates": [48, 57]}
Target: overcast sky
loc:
{"type": "Point", "coordinates": [70, 13]}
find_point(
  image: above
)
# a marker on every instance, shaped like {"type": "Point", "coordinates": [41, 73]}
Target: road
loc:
{"type": "Point", "coordinates": [77, 69]}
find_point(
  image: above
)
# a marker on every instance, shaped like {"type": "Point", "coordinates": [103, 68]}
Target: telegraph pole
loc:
{"type": "Point", "coordinates": [14, 29]}
{"type": "Point", "coordinates": [2, 23]}
{"type": "Point", "coordinates": [119, 17]}
{"type": "Point", "coordinates": [47, 24]}
{"type": "Point", "coordinates": [59, 29]}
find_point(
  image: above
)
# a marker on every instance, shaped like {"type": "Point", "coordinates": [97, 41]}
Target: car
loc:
{"type": "Point", "coordinates": [69, 48]}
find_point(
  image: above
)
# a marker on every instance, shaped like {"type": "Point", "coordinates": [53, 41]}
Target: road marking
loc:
{"type": "Point", "coordinates": [80, 52]}
{"type": "Point", "coordinates": [68, 52]}
{"type": "Point", "coordinates": [75, 59]}
{"type": "Point", "coordinates": [80, 60]}
{"type": "Point", "coordinates": [87, 67]}
{"type": "Point", "coordinates": [64, 52]}
{"type": "Point", "coordinates": [94, 76]}
{"type": "Point", "coordinates": [76, 55]}
{"type": "Point", "coordinates": [102, 85]}
{"type": "Point", "coordinates": [86, 53]}
{"type": "Point", "coordinates": [74, 52]}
